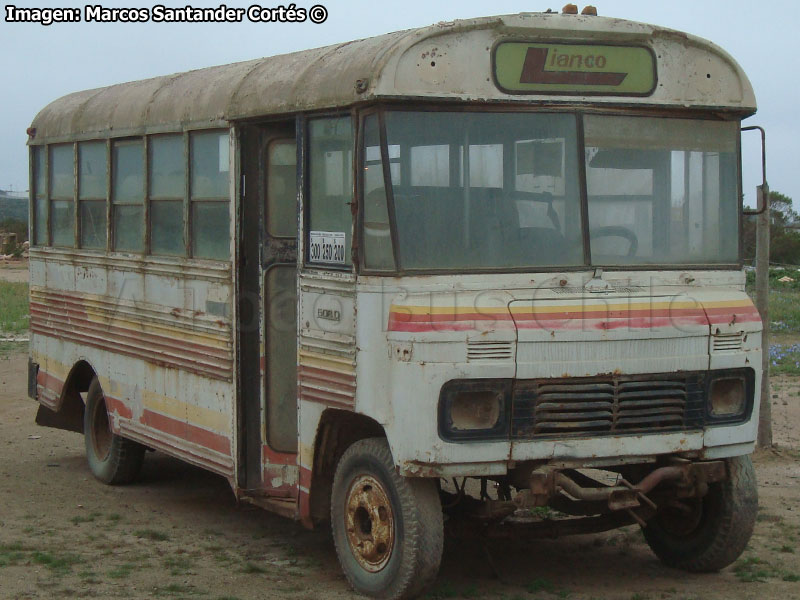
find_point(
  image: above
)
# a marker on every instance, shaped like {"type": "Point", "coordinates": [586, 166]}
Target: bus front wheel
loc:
{"type": "Point", "coordinates": [112, 459]}
{"type": "Point", "coordinates": [387, 529]}
{"type": "Point", "coordinates": [709, 533]}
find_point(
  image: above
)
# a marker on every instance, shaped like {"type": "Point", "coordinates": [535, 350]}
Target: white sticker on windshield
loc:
{"type": "Point", "coordinates": [327, 247]}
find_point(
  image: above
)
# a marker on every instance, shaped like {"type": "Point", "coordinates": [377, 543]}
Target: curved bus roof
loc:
{"type": "Point", "coordinates": [447, 61]}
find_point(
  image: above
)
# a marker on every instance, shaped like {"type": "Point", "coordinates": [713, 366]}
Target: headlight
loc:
{"type": "Point", "coordinates": [474, 409]}
{"type": "Point", "coordinates": [727, 397]}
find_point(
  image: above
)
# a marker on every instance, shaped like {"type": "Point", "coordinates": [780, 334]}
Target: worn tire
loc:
{"type": "Point", "coordinates": [112, 459]}
{"type": "Point", "coordinates": [724, 524]}
{"type": "Point", "coordinates": [412, 558]}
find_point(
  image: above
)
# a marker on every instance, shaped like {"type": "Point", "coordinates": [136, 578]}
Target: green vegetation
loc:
{"type": "Point", "coordinates": [85, 518]}
{"type": "Point", "coordinates": [753, 569]}
{"type": "Point", "coordinates": [784, 317]}
{"type": "Point", "coordinates": [784, 247]}
{"type": "Point", "coordinates": [151, 534]}
{"type": "Point", "coordinates": [540, 585]}
{"type": "Point", "coordinates": [252, 568]}
{"type": "Point", "coordinates": [11, 554]}
{"type": "Point", "coordinates": [122, 571]}
{"type": "Point", "coordinates": [60, 564]}
{"type": "Point", "coordinates": [14, 315]}
{"type": "Point", "coordinates": [178, 565]}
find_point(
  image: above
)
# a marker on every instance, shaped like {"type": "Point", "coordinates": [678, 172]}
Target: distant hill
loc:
{"type": "Point", "coordinates": [13, 208]}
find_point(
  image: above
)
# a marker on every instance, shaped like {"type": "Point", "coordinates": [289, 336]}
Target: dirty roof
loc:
{"type": "Point", "coordinates": [392, 65]}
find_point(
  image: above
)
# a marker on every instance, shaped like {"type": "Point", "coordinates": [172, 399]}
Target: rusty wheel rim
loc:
{"type": "Point", "coordinates": [101, 431]}
{"type": "Point", "coordinates": [369, 523]}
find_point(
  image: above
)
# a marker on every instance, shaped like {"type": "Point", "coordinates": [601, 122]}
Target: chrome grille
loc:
{"type": "Point", "coordinates": [607, 405]}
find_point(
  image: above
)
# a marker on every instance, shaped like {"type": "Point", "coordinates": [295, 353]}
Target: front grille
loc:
{"type": "Point", "coordinates": [621, 404]}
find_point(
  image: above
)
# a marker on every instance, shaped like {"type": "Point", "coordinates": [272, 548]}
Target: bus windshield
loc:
{"type": "Point", "coordinates": [657, 191]}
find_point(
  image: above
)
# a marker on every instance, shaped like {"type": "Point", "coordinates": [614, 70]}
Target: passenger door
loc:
{"type": "Point", "coordinates": [267, 422]}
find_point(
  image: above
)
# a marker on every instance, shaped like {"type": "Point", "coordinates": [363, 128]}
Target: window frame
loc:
{"type": "Point", "coordinates": [306, 192]}
{"type": "Point", "coordinates": [113, 205]}
{"type": "Point", "coordinates": [106, 193]}
{"type": "Point", "coordinates": [184, 198]}
{"type": "Point", "coordinates": [191, 200]}
{"type": "Point", "coordinates": [36, 197]}
{"type": "Point", "coordinates": [579, 113]}
{"type": "Point", "coordinates": [47, 198]}
{"type": "Point", "coordinates": [52, 198]}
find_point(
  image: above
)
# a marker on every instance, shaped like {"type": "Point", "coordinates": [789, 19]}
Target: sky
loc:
{"type": "Point", "coordinates": [41, 63]}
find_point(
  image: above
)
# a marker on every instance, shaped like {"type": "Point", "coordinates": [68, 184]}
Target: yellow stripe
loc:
{"type": "Point", "coordinates": [183, 411]}
{"type": "Point", "coordinates": [51, 366]}
{"type": "Point", "coordinates": [323, 361]}
{"type": "Point", "coordinates": [218, 342]}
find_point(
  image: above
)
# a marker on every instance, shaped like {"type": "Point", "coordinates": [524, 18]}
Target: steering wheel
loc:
{"type": "Point", "coordinates": [618, 231]}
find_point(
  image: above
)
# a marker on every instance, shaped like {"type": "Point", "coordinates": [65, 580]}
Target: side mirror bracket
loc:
{"type": "Point", "coordinates": [764, 187]}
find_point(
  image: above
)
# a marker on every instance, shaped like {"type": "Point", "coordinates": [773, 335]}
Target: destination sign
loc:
{"type": "Point", "coordinates": [551, 68]}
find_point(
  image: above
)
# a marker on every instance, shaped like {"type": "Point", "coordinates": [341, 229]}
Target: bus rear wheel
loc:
{"type": "Point", "coordinates": [387, 529]}
{"type": "Point", "coordinates": [709, 533]}
{"type": "Point", "coordinates": [112, 459]}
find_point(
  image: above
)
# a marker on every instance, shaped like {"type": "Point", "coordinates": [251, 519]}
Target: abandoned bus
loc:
{"type": "Point", "coordinates": [421, 282]}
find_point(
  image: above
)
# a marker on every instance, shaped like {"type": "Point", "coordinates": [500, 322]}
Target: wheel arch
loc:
{"type": "Point", "coordinates": [336, 432]}
{"type": "Point", "coordinates": [69, 414]}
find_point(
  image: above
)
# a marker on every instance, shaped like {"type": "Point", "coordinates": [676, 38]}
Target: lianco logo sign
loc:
{"type": "Point", "coordinates": [528, 68]}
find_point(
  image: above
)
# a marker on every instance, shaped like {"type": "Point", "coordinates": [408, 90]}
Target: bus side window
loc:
{"type": "Point", "coordinates": [128, 195]}
{"type": "Point", "coordinates": [167, 170]}
{"type": "Point", "coordinates": [39, 229]}
{"type": "Point", "coordinates": [377, 231]}
{"type": "Point", "coordinates": [92, 181]}
{"type": "Point", "coordinates": [210, 195]}
{"type": "Point", "coordinates": [62, 189]}
{"type": "Point", "coordinates": [330, 142]}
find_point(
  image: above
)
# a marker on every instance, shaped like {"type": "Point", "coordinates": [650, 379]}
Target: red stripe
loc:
{"type": "Point", "coordinates": [327, 401]}
{"type": "Point", "coordinates": [335, 395]}
{"type": "Point", "coordinates": [305, 477]}
{"type": "Point", "coordinates": [187, 431]}
{"type": "Point", "coordinates": [339, 386]}
{"type": "Point", "coordinates": [39, 311]}
{"type": "Point", "coordinates": [551, 315]}
{"type": "Point", "coordinates": [118, 406]}
{"type": "Point", "coordinates": [575, 319]}
{"type": "Point", "coordinates": [304, 510]}
{"type": "Point", "coordinates": [729, 318]}
{"type": "Point", "coordinates": [277, 458]}
{"type": "Point", "coordinates": [318, 373]}
{"type": "Point", "coordinates": [142, 354]}
{"type": "Point", "coordinates": [49, 382]}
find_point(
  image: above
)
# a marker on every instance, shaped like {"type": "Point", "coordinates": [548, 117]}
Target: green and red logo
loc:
{"type": "Point", "coordinates": [549, 68]}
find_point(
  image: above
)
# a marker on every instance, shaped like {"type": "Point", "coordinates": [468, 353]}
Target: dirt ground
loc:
{"type": "Point", "coordinates": [179, 533]}
{"type": "Point", "coordinates": [14, 270]}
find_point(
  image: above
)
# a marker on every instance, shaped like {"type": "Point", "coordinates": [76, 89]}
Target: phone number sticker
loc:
{"type": "Point", "coordinates": [327, 247]}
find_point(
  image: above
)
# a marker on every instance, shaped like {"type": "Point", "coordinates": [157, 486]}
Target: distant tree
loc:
{"type": "Point", "coordinates": [15, 226]}
{"type": "Point", "coordinates": [784, 245]}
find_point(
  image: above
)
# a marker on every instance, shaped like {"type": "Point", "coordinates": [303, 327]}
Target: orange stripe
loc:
{"type": "Point", "coordinates": [566, 318]}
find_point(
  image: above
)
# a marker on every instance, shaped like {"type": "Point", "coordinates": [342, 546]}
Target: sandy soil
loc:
{"type": "Point", "coordinates": [179, 533]}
